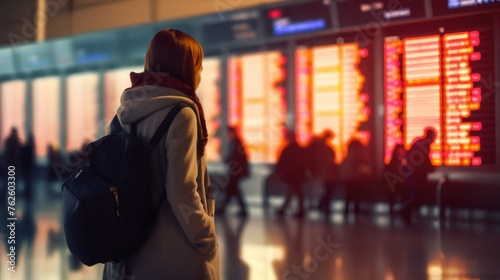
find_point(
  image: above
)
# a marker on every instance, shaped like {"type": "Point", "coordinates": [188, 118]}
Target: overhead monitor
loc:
{"type": "Point", "coordinates": [99, 47]}
{"type": "Point", "coordinates": [446, 7]}
{"type": "Point", "coordinates": [378, 13]}
{"type": "Point", "coordinates": [62, 51]}
{"type": "Point", "coordinates": [237, 27]}
{"type": "Point", "coordinates": [298, 18]}
{"type": "Point", "coordinates": [34, 57]}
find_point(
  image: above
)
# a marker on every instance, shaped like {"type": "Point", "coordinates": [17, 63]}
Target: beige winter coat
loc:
{"type": "Point", "coordinates": [183, 243]}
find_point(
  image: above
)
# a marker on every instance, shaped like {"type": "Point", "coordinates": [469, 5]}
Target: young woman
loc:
{"type": "Point", "coordinates": [182, 243]}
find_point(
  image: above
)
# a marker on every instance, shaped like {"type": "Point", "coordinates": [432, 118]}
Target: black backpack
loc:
{"type": "Point", "coordinates": [107, 203]}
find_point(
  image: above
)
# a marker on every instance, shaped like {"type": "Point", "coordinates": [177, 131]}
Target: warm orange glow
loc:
{"type": "Point", "coordinates": [115, 82]}
{"type": "Point", "coordinates": [261, 259]}
{"type": "Point", "coordinates": [435, 272]}
{"type": "Point", "coordinates": [303, 84]}
{"type": "Point", "coordinates": [422, 95]}
{"type": "Point", "coordinates": [393, 99]}
{"type": "Point", "coordinates": [257, 102]}
{"type": "Point", "coordinates": [12, 111]}
{"type": "Point", "coordinates": [430, 100]}
{"type": "Point", "coordinates": [46, 118]}
{"type": "Point", "coordinates": [234, 100]}
{"type": "Point", "coordinates": [82, 110]}
{"type": "Point", "coordinates": [209, 94]}
{"type": "Point", "coordinates": [457, 149]}
{"type": "Point", "coordinates": [329, 94]}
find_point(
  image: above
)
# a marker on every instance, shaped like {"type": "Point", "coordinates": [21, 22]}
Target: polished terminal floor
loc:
{"type": "Point", "coordinates": [264, 247]}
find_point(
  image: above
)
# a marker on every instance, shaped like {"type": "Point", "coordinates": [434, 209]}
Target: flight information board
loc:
{"type": "Point", "coordinates": [115, 82]}
{"type": "Point", "coordinates": [46, 113]}
{"type": "Point", "coordinates": [330, 94]}
{"type": "Point", "coordinates": [256, 102]}
{"type": "Point", "coordinates": [210, 97]}
{"type": "Point", "coordinates": [82, 107]}
{"type": "Point", "coordinates": [441, 80]}
{"type": "Point", "coordinates": [12, 107]}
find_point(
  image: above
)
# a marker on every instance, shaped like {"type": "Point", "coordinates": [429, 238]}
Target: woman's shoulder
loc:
{"type": "Point", "coordinates": [186, 115]}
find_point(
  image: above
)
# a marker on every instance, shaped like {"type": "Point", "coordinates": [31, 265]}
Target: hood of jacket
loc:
{"type": "Point", "coordinates": [139, 102]}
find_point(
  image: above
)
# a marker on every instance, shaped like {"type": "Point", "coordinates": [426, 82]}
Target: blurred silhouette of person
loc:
{"type": "Point", "coordinates": [323, 166]}
{"type": "Point", "coordinates": [355, 172]}
{"type": "Point", "coordinates": [236, 161]}
{"type": "Point", "coordinates": [11, 157]}
{"type": "Point", "coordinates": [419, 158]}
{"type": "Point", "coordinates": [292, 170]}
{"type": "Point", "coordinates": [234, 266]}
{"type": "Point", "coordinates": [392, 170]}
{"type": "Point", "coordinates": [28, 165]}
{"type": "Point", "coordinates": [12, 149]}
{"type": "Point", "coordinates": [273, 185]}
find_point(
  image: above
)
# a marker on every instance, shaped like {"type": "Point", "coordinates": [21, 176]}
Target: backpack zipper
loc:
{"type": "Point", "coordinates": [114, 190]}
{"type": "Point", "coordinates": [78, 174]}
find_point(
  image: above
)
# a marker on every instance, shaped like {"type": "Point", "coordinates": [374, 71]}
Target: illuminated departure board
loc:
{"type": "Point", "coordinates": [441, 81]}
{"type": "Point", "coordinates": [256, 97]}
{"type": "Point", "coordinates": [210, 95]}
{"type": "Point", "coordinates": [12, 104]}
{"type": "Point", "coordinates": [46, 113]}
{"type": "Point", "coordinates": [330, 94]}
{"type": "Point", "coordinates": [115, 82]}
{"type": "Point", "coordinates": [82, 109]}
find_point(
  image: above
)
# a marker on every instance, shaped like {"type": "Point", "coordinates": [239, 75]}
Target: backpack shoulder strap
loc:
{"type": "Point", "coordinates": [115, 126]}
{"type": "Point", "coordinates": [165, 125]}
{"type": "Point", "coordinates": [133, 129]}
{"type": "Point", "coordinates": [162, 129]}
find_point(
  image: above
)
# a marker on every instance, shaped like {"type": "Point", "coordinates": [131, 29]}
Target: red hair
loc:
{"type": "Point", "coordinates": [180, 55]}
{"type": "Point", "coordinates": [175, 52]}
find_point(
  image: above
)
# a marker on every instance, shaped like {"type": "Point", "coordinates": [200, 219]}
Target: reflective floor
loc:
{"type": "Point", "coordinates": [263, 246]}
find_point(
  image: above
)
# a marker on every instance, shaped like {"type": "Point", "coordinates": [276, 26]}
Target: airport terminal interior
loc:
{"type": "Point", "coordinates": [387, 85]}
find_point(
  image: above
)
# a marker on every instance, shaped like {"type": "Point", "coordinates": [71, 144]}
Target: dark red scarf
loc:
{"type": "Point", "coordinates": [169, 81]}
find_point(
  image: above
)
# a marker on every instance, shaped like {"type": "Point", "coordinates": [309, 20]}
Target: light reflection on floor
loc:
{"type": "Point", "coordinates": [264, 247]}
